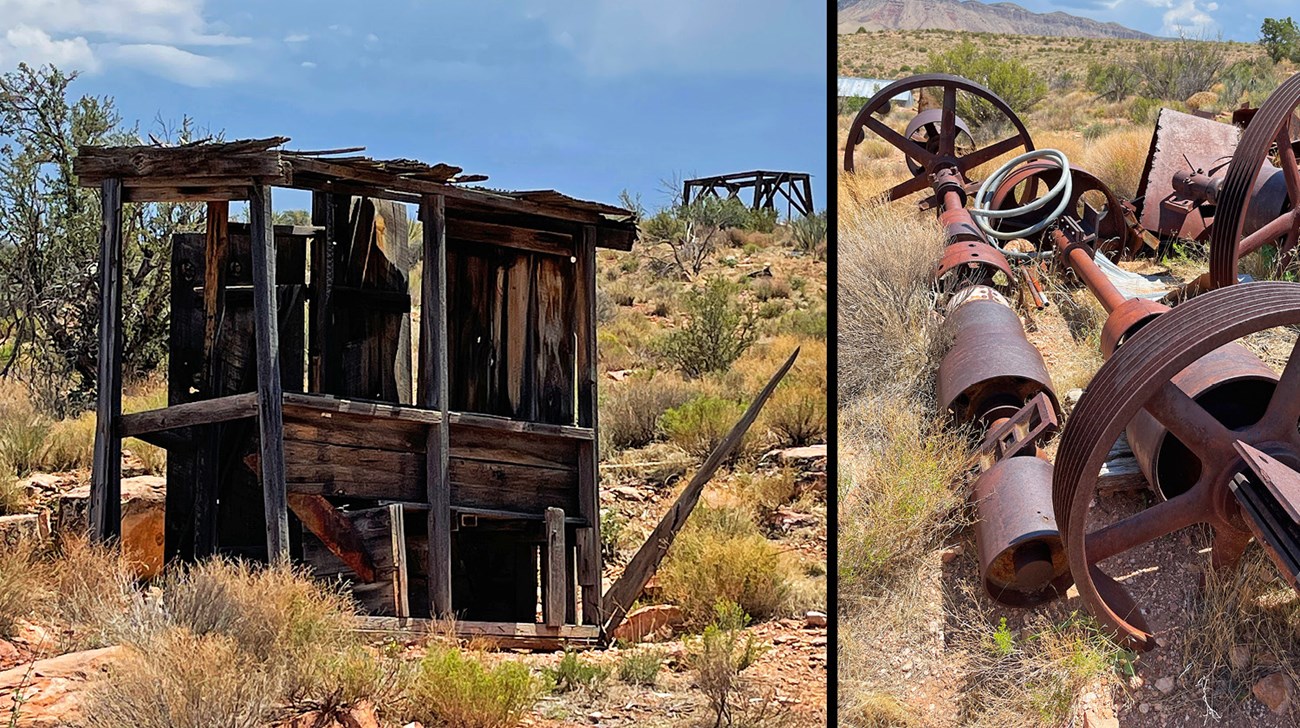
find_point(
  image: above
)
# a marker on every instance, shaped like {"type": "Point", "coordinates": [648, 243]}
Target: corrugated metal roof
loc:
{"type": "Point", "coordinates": [867, 87]}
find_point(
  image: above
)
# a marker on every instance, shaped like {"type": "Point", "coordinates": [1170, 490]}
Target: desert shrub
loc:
{"type": "Point", "coordinates": [331, 680]}
{"type": "Point", "coordinates": [693, 231]}
{"type": "Point", "coordinates": [771, 310]}
{"type": "Point", "coordinates": [722, 555]}
{"type": "Point", "coordinates": [720, 655]}
{"type": "Point", "coordinates": [901, 477]}
{"type": "Point", "coordinates": [765, 289]}
{"type": "Point", "coordinates": [13, 495]}
{"type": "Point", "coordinates": [1249, 81]}
{"type": "Point", "coordinates": [1095, 130]}
{"type": "Point", "coordinates": [774, 489]}
{"type": "Point", "coordinates": [718, 329]}
{"type": "Point", "coordinates": [640, 666]}
{"type": "Point", "coordinates": [22, 592]}
{"type": "Point", "coordinates": [762, 221]}
{"type": "Point", "coordinates": [630, 410]}
{"type": "Point", "coordinates": [851, 105]}
{"type": "Point", "coordinates": [698, 425]}
{"type": "Point", "coordinates": [1202, 100]}
{"type": "Point", "coordinates": [70, 444]}
{"type": "Point", "coordinates": [1178, 69]}
{"type": "Point", "coordinates": [613, 532]}
{"type": "Point", "coordinates": [574, 673]}
{"type": "Point", "coordinates": [1112, 81]}
{"type": "Point", "coordinates": [1143, 111]}
{"type": "Point", "coordinates": [796, 413]}
{"type": "Point", "coordinates": [22, 442]}
{"type": "Point", "coordinates": [93, 590]}
{"type": "Point", "coordinates": [1007, 77]}
{"type": "Point", "coordinates": [809, 234]}
{"type": "Point", "coordinates": [152, 457]}
{"type": "Point", "coordinates": [803, 322]}
{"type": "Point", "coordinates": [181, 680]}
{"type": "Point", "coordinates": [456, 689]}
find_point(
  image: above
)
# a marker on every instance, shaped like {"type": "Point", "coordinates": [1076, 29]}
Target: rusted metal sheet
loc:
{"type": "Point", "coordinates": [1271, 499]}
{"type": "Point", "coordinates": [992, 370]}
{"type": "Point", "coordinates": [1181, 143]}
{"type": "Point", "coordinates": [1022, 559]}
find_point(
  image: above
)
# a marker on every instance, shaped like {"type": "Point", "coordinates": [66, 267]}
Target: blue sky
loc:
{"type": "Point", "coordinates": [1234, 19]}
{"type": "Point", "coordinates": [586, 97]}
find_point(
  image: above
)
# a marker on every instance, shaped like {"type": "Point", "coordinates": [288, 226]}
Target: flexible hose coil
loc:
{"type": "Point", "coordinates": [1060, 192]}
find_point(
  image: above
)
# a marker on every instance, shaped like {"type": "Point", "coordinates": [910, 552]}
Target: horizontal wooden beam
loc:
{"type": "Point", "coordinates": [205, 412]}
{"type": "Point", "coordinates": [510, 236]}
{"type": "Point", "coordinates": [522, 635]}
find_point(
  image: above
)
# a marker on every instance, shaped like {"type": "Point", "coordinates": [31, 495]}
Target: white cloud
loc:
{"type": "Point", "coordinates": [296, 38]}
{"type": "Point", "coordinates": [172, 22]}
{"type": "Point", "coordinates": [34, 46]}
{"type": "Point", "coordinates": [1186, 18]}
{"type": "Point", "coordinates": [308, 64]}
{"type": "Point", "coordinates": [174, 63]}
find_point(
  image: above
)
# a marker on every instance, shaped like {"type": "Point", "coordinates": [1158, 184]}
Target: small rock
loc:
{"type": "Point", "coordinates": [1165, 685]}
{"type": "Point", "coordinates": [1096, 720]}
{"type": "Point", "coordinates": [1275, 691]}
{"type": "Point", "coordinates": [907, 666]}
{"type": "Point", "coordinates": [641, 623]}
{"type": "Point", "coordinates": [950, 553]}
{"type": "Point", "coordinates": [814, 619]}
{"type": "Point", "coordinates": [628, 492]}
{"type": "Point", "coordinates": [1144, 708]}
{"type": "Point", "coordinates": [1239, 657]}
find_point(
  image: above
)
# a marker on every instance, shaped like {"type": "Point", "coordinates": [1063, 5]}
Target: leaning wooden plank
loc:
{"type": "Point", "coordinates": [206, 412]}
{"type": "Point", "coordinates": [335, 531]}
{"type": "Point", "coordinates": [270, 400]}
{"type": "Point", "coordinates": [105, 479]}
{"type": "Point", "coordinates": [628, 588]}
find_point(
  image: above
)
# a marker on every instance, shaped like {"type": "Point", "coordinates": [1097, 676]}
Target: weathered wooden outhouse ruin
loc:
{"type": "Point", "coordinates": [456, 475]}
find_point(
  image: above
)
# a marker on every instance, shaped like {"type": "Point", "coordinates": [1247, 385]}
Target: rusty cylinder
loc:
{"type": "Point", "coordinates": [992, 370]}
{"type": "Point", "coordinates": [1232, 384]}
{"type": "Point", "coordinates": [1022, 559]}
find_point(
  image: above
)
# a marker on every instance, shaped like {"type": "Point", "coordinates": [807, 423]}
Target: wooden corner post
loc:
{"type": "Point", "coordinates": [433, 395]}
{"type": "Point", "coordinates": [587, 538]}
{"type": "Point", "coordinates": [106, 473]}
{"type": "Point", "coordinates": [270, 397]}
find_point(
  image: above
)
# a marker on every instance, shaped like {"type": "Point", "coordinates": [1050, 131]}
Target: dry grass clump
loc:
{"type": "Point", "coordinates": [630, 410]}
{"type": "Point", "coordinates": [902, 486]}
{"type": "Point", "coordinates": [887, 332]}
{"type": "Point", "coordinates": [13, 495]}
{"type": "Point", "coordinates": [1031, 677]}
{"type": "Point", "coordinates": [1246, 626]}
{"type": "Point", "coordinates": [22, 590]}
{"type": "Point", "coordinates": [1117, 158]}
{"type": "Point", "coordinates": [92, 588]}
{"type": "Point", "coordinates": [722, 555]}
{"type": "Point", "coordinates": [881, 710]}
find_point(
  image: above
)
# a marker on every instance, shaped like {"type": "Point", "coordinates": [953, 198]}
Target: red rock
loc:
{"type": "Point", "coordinates": [143, 511]}
{"type": "Point", "coordinates": [1096, 720]}
{"type": "Point", "coordinates": [642, 623]}
{"type": "Point", "coordinates": [1275, 691]}
{"type": "Point", "coordinates": [51, 690]}
{"type": "Point", "coordinates": [8, 653]}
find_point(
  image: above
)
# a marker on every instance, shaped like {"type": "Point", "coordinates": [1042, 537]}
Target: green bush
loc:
{"type": "Point", "coordinates": [630, 410]}
{"type": "Point", "coordinates": [1249, 81]}
{"type": "Point", "coordinates": [809, 234]}
{"type": "Point", "coordinates": [718, 329]}
{"type": "Point", "coordinates": [1178, 69]}
{"type": "Point", "coordinates": [1112, 81]}
{"type": "Point", "coordinates": [762, 221]}
{"type": "Point", "coordinates": [640, 667]}
{"type": "Point", "coordinates": [720, 655]}
{"type": "Point", "coordinates": [700, 424]}
{"type": "Point", "coordinates": [1007, 77]}
{"type": "Point", "coordinates": [722, 555]}
{"type": "Point", "coordinates": [572, 673]}
{"type": "Point", "coordinates": [455, 689]}
{"type": "Point", "coordinates": [1280, 38]}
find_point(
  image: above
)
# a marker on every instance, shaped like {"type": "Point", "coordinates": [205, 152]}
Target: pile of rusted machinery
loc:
{"type": "Point", "coordinates": [1214, 430]}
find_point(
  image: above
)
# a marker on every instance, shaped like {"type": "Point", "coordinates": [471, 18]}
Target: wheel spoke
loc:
{"type": "Point", "coordinates": [948, 123]}
{"type": "Point", "coordinates": [1147, 525]}
{"type": "Point", "coordinates": [903, 189]}
{"type": "Point", "coordinates": [1189, 422]}
{"type": "Point", "coordinates": [1284, 407]}
{"type": "Point", "coordinates": [991, 152]}
{"type": "Point", "coordinates": [902, 143]}
{"type": "Point", "coordinates": [1286, 155]}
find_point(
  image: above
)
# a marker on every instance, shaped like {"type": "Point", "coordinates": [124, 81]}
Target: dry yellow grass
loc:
{"type": "Point", "coordinates": [1117, 158]}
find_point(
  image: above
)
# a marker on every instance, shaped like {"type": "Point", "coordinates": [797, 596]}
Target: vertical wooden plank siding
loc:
{"type": "Point", "coordinates": [401, 590]}
{"type": "Point", "coordinates": [216, 252]}
{"type": "Point", "coordinates": [106, 474]}
{"type": "Point", "coordinates": [554, 599]}
{"type": "Point", "coordinates": [270, 400]}
{"type": "Point", "coordinates": [433, 368]}
{"type": "Point", "coordinates": [322, 285]}
{"type": "Point", "coordinates": [590, 568]}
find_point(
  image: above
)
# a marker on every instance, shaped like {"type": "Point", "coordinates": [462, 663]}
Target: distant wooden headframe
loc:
{"type": "Point", "coordinates": [796, 187]}
{"type": "Point", "coordinates": [458, 480]}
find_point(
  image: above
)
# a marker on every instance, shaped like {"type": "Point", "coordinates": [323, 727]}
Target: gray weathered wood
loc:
{"type": "Point", "coordinates": [206, 412]}
{"type": "Point", "coordinates": [554, 599]}
{"type": "Point", "coordinates": [643, 564]}
{"type": "Point", "coordinates": [106, 472]}
{"type": "Point", "coordinates": [588, 556]}
{"type": "Point", "coordinates": [521, 635]}
{"type": "Point", "coordinates": [216, 252]}
{"type": "Point", "coordinates": [434, 395]}
{"type": "Point", "coordinates": [401, 578]}
{"type": "Point", "coordinates": [269, 389]}
{"type": "Point", "coordinates": [510, 236]}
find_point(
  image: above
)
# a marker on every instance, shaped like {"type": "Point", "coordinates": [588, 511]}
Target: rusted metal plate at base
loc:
{"type": "Point", "coordinates": [1022, 560]}
{"type": "Point", "coordinates": [1181, 143]}
{"type": "Point", "coordinates": [1269, 495]}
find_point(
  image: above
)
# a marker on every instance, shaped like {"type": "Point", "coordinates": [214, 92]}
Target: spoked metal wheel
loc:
{"type": "Point", "coordinates": [1140, 377]}
{"type": "Point", "coordinates": [925, 159]}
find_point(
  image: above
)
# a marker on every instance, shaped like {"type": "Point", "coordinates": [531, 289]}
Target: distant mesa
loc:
{"type": "Point", "coordinates": [971, 15]}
